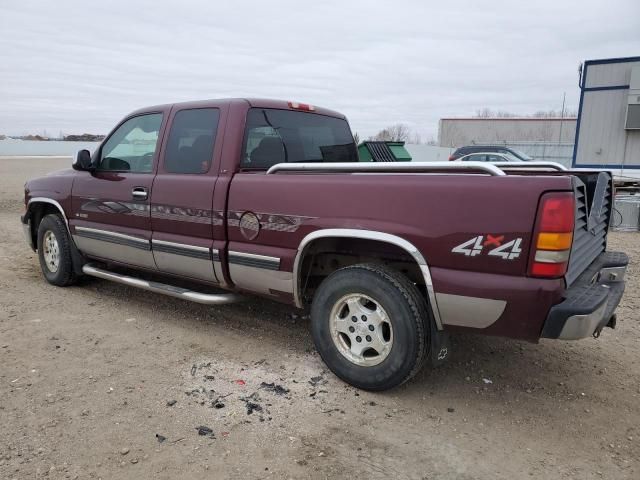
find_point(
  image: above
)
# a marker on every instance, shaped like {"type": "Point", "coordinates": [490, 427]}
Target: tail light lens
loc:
{"type": "Point", "coordinates": [553, 235]}
{"type": "Point", "coordinates": [452, 158]}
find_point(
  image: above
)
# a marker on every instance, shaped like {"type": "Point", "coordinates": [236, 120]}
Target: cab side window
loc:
{"type": "Point", "coordinates": [277, 136]}
{"type": "Point", "coordinates": [132, 146]}
{"type": "Point", "coordinates": [191, 140]}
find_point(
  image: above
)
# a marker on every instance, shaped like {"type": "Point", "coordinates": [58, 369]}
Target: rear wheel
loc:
{"type": "Point", "coordinates": [369, 325]}
{"type": "Point", "coordinates": [54, 251]}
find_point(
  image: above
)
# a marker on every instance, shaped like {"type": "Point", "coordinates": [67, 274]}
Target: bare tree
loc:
{"type": "Point", "coordinates": [414, 138]}
{"type": "Point", "coordinates": [488, 113]}
{"type": "Point", "coordinates": [432, 141]}
{"type": "Point", "coordinates": [554, 114]}
{"type": "Point", "coordinates": [393, 133]}
{"type": "Point", "coordinates": [356, 138]}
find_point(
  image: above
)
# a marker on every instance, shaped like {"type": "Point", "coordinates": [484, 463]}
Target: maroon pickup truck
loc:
{"type": "Point", "coordinates": [268, 197]}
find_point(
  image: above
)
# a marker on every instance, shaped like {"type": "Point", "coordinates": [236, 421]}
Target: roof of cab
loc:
{"type": "Point", "coordinates": [253, 102]}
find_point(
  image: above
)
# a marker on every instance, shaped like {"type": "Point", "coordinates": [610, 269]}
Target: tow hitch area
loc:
{"type": "Point", "coordinates": [610, 324]}
{"type": "Point", "coordinates": [589, 303]}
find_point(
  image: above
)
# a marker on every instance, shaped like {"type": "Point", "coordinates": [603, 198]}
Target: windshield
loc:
{"type": "Point", "coordinates": [512, 158]}
{"type": "Point", "coordinates": [277, 136]}
{"type": "Point", "coordinates": [522, 155]}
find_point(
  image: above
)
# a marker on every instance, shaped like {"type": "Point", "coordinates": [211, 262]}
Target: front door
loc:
{"type": "Point", "coordinates": [111, 217]}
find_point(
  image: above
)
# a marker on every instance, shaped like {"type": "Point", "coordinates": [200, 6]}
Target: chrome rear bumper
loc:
{"type": "Point", "coordinates": [591, 301]}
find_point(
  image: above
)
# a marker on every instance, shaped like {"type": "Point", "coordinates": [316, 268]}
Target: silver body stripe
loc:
{"type": "Point", "coordinates": [473, 312]}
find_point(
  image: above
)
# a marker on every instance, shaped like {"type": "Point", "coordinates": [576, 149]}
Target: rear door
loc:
{"type": "Point", "coordinates": [181, 200]}
{"type": "Point", "coordinates": [110, 216]}
{"type": "Point", "coordinates": [263, 218]}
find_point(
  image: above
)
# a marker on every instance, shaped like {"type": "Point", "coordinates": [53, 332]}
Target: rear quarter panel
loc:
{"type": "Point", "coordinates": [434, 212]}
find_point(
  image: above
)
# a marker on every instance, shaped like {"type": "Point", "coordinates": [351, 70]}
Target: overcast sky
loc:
{"type": "Point", "coordinates": [79, 66]}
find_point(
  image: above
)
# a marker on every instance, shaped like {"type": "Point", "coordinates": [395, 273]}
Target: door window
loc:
{"type": "Point", "coordinates": [133, 145]}
{"type": "Point", "coordinates": [191, 140]}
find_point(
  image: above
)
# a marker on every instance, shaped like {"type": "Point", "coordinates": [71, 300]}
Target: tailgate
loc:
{"type": "Point", "coordinates": [594, 202]}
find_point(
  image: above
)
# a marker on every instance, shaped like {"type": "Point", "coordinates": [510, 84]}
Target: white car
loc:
{"type": "Point", "coordinates": [488, 157]}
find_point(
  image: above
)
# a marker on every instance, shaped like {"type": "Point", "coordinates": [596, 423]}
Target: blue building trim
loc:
{"type": "Point", "coordinates": [604, 61]}
{"type": "Point", "coordinates": [577, 137]}
{"type": "Point", "coordinates": [610, 87]}
{"type": "Point", "coordinates": [609, 167]}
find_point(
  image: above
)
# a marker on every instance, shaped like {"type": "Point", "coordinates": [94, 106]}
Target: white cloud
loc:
{"type": "Point", "coordinates": [78, 67]}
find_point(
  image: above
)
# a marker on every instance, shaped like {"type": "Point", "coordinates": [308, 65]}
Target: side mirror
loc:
{"type": "Point", "coordinates": [82, 160]}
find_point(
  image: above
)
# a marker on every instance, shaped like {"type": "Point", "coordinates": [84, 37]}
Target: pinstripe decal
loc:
{"type": "Point", "coordinates": [181, 249]}
{"type": "Point", "coordinates": [270, 221]}
{"type": "Point", "coordinates": [113, 237]}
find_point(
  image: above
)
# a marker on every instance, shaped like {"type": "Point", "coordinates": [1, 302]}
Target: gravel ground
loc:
{"type": "Point", "coordinates": [103, 381]}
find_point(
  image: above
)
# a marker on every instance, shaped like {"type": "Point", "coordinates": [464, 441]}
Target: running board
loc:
{"type": "Point", "coordinates": [170, 290]}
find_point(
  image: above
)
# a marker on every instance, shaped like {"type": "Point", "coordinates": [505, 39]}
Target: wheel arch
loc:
{"type": "Point", "coordinates": [370, 235]}
{"type": "Point", "coordinates": [37, 208]}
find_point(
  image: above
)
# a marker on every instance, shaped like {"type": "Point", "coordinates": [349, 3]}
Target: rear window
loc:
{"type": "Point", "coordinates": [279, 136]}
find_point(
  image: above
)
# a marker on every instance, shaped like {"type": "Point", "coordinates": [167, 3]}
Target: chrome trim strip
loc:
{"type": "Point", "coordinates": [181, 249]}
{"type": "Point", "coordinates": [170, 290]}
{"type": "Point", "coordinates": [370, 235]}
{"type": "Point", "coordinates": [255, 256]}
{"type": "Point", "coordinates": [552, 256]}
{"type": "Point", "coordinates": [58, 206]}
{"type": "Point", "coordinates": [52, 202]}
{"type": "Point", "coordinates": [473, 312]}
{"type": "Point", "coordinates": [391, 167]}
{"type": "Point", "coordinates": [253, 260]}
{"type": "Point", "coordinates": [582, 326]}
{"type": "Point", "coordinates": [180, 245]}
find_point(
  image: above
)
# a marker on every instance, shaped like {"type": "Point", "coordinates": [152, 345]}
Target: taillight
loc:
{"type": "Point", "coordinates": [553, 235]}
{"type": "Point", "coordinates": [452, 158]}
{"type": "Point", "coordinates": [301, 106]}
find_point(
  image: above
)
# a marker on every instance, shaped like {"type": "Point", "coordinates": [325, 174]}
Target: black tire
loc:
{"type": "Point", "coordinates": [63, 274]}
{"type": "Point", "coordinates": [408, 316]}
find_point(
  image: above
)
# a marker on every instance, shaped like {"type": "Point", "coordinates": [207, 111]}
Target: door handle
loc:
{"type": "Point", "coordinates": [140, 193]}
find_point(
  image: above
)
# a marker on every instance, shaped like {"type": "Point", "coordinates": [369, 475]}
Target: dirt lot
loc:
{"type": "Point", "coordinates": [102, 381]}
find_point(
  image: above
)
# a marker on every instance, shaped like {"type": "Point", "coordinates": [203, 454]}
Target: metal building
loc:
{"type": "Point", "coordinates": [608, 129]}
{"type": "Point", "coordinates": [456, 132]}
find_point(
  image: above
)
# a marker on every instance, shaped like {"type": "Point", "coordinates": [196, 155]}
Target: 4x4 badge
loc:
{"type": "Point", "coordinates": [476, 245]}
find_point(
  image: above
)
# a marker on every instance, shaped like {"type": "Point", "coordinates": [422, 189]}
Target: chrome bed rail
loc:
{"type": "Point", "coordinates": [532, 165]}
{"type": "Point", "coordinates": [393, 167]}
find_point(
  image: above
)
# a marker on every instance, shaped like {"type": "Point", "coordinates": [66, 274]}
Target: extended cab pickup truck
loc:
{"type": "Point", "coordinates": [207, 201]}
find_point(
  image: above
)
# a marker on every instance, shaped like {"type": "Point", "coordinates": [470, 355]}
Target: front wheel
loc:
{"type": "Point", "coordinates": [54, 251]}
{"type": "Point", "coordinates": [369, 324]}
